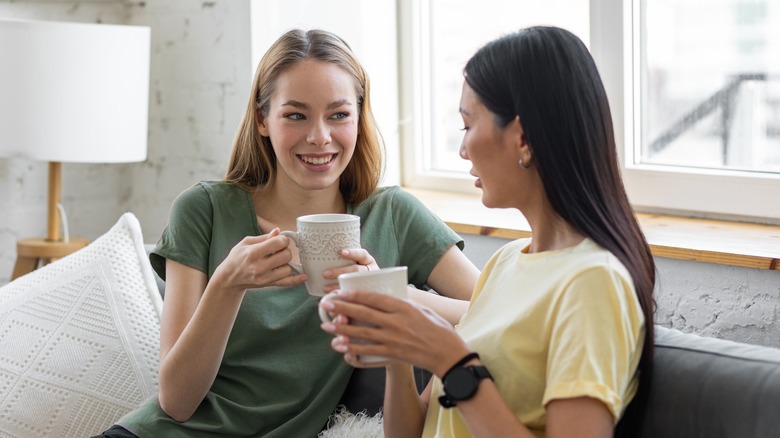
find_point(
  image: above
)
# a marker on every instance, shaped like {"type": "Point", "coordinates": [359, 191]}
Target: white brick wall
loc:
{"type": "Point", "coordinates": [200, 79]}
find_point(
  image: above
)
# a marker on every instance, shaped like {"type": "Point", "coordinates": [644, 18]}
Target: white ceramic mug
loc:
{"type": "Point", "coordinates": [389, 281]}
{"type": "Point", "coordinates": [320, 238]}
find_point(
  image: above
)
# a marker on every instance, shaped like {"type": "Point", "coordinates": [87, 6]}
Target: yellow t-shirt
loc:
{"type": "Point", "coordinates": [550, 325]}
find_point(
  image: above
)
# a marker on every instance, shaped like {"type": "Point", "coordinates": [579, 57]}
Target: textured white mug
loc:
{"type": "Point", "coordinates": [320, 238]}
{"type": "Point", "coordinates": [389, 281]}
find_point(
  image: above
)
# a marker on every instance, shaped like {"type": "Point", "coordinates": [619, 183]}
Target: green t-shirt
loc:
{"type": "Point", "coordinates": [279, 377]}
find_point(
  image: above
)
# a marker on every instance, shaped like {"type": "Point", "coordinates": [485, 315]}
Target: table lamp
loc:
{"type": "Point", "coordinates": [70, 92]}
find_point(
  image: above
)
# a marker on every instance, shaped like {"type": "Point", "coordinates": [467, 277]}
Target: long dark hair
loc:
{"type": "Point", "coordinates": [547, 78]}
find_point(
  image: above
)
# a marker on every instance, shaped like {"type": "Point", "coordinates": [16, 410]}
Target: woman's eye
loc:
{"type": "Point", "coordinates": [465, 128]}
{"type": "Point", "coordinates": [340, 115]}
{"type": "Point", "coordinates": [294, 116]}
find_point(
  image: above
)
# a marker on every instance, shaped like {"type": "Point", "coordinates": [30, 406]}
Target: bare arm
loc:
{"type": "Point", "coordinates": [488, 415]}
{"type": "Point", "coordinates": [404, 409]}
{"type": "Point", "coordinates": [196, 323]}
{"type": "Point", "coordinates": [453, 278]}
{"type": "Point", "coordinates": [581, 417]}
{"type": "Point", "coordinates": [198, 316]}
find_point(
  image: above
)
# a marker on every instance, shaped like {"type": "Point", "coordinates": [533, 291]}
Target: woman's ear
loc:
{"type": "Point", "coordinates": [262, 126]}
{"type": "Point", "coordinates": [517, 134]}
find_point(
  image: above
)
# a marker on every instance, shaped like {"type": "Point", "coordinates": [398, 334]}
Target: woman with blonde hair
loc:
{"type": "Point", "coordinates": [241, 353]}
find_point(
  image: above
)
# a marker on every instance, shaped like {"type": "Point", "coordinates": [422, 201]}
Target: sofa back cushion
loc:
{"type": "Point", "coordinates": [706, 387]}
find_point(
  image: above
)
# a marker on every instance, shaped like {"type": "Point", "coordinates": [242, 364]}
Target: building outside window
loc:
{"type": "Point", "coordinates": [709, 84]}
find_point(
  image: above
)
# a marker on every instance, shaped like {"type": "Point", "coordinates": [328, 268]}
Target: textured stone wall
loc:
{"type": "Point", "coordinates": [727, 302]}
{"type": "Point", "coordinates": [200, 77]}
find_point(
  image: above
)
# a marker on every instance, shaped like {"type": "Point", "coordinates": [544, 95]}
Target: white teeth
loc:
{"type": "Point", "coordinates": [317, 160]}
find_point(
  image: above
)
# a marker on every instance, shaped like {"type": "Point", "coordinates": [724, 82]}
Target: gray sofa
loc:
{"type": "Point", "coordinates": [707, 387]}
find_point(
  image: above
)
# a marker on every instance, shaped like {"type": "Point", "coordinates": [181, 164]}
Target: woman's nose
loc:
{"type": "Point", "coordinates": [319, 135]}
{"type": "Point", "coordinates": [462, 151]}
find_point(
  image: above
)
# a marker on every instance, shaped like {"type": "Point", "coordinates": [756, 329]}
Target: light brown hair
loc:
{"type": "Point", "coordinates": [252, 162]}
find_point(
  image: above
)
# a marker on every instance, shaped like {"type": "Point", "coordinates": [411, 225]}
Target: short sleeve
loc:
{"type": "Point", "coordinates": [596, 339]}
{"type": "Point", "coordinates": [422, 236]}
{"type": "Point", "coordinates": [187, 237]}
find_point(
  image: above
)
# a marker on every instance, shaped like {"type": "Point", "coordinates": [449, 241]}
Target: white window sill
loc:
{"type": "Point", "coordinates": [703, 240]}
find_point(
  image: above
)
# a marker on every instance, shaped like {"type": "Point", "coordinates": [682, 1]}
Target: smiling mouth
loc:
{"type": "Point", "coordinates": [317, 161]}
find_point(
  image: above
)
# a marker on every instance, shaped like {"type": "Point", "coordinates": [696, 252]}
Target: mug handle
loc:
{"type": "Point", "coordinates": [292, 235]}
{"type": "Point", "coordinates": [296, 267]}
{"type": "Point", "coordinates": [324, 315]}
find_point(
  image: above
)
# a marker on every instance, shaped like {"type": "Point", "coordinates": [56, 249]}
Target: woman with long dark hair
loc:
{"type": "Point", "coordinates": [558, 338]}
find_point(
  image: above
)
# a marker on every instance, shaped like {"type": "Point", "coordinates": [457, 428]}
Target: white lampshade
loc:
{"type": "Point", "coordinates": [73, 92]}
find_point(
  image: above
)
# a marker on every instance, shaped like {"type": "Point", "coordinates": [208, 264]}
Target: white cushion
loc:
{"type": "Point", "coordinates": [79, 339]}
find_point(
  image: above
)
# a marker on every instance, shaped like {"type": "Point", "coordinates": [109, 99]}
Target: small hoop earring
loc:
{"type": "Point", "coordinates": [524, 165]}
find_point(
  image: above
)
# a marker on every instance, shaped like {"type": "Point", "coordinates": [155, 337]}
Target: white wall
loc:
{"type": "Point", "coordinates": [200, 80]}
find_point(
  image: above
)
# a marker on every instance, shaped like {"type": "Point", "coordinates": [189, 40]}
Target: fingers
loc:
{"type": "Point", "coordinates": [251, 240]}
{"type": "Point", "coordinates": [369, 299]}
{"type": "Point", "coordinates": [272, 244]}
{"type": "Point", "coordinates": [364, 261]}
{"type": "Point", "coordinates": [399, 329]}
{"type": "Point", "coordinates": [290, 280]}
{"type": "Point", "coordinates": [341, 344]}
{"type": "Point", "coordinates": [369, 323]}
{"type": "Point", "coordinates": [329, 288]}
{"type": "Point", "coordinates": [254, 249]}
{"type": "Point", "coordinates": [259, 261]}
{"type": "Point", "coordinates": [358, 255]}
{"type": "Point", "coordinates": [269, 248]}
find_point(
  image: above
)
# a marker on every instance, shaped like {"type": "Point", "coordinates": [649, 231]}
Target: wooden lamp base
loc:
{"type": "Point", "coordinates": [32, 253]}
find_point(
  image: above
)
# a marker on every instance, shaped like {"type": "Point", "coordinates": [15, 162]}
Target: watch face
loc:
{"type": "Point", "coordinates": [461, 384]}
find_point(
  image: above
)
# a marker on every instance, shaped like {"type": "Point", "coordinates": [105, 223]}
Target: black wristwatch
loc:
{"type": "Point", "coordinates": [461, 382]}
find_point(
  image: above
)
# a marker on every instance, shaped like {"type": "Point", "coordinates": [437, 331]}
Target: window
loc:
{"type": "Point", "coordinates": [694, 92]}
{"type": "Point", "coordinates": [437, 38]}
{"type": "Point", "coordinates": [702, 110]}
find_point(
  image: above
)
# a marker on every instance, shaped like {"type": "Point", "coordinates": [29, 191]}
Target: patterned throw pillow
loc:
{"type": "Point", "coordinates": [79, 339]}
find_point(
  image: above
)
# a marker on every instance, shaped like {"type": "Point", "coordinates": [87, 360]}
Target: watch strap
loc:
{"type": "Point", "coordinates": [446, 402]}
{"type": "Point", "coordinates": [481, 372]}
{"type": "Point", "coordinates": [478, 371]}
{"type": "Point", "coordinates": [460, 363]}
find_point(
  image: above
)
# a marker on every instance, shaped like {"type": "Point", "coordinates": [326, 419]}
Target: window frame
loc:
{"type": "Point", "coordinates": [415, 120]}
{"type": "Point", "coordinates": [727, 194]}
{"type": "Point", "coordinates": [685, 191]}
